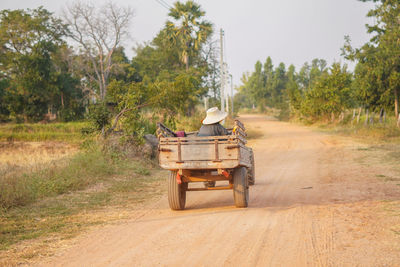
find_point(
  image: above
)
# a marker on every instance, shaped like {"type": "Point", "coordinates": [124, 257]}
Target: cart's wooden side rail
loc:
{"type": "Point", "coordinates": [202, 153]}
{"type": "Point", "coordinates": [239, 130]}
{"type": "Point", "coordinates": [199, 139]}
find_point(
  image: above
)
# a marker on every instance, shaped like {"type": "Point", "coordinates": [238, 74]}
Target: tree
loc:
{"type": "Point", "coordinates": [188, 31]}
{"type": "Point", "coordinates": [294, 93]}
{"type": "Point", "coordinates": [99, 31]}
{"type": "Point", "coordinates": [379, 60]}
{"type": "Point", "coordinates": [256, 85]}
{"type": "Point", "coordinates": [29, 41]}
{"type": "Point", "coordinates": [330, 95]}
{"type": "Point", "coordinates": [279, 85]}
{"type": "Point", "coordinates": [268, 79]}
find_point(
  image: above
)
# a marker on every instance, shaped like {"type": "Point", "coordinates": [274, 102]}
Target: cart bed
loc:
{"type": "Point", "coordinates": [208, 152]}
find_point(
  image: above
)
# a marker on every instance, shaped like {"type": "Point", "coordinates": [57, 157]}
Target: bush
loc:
{"type": "Point", "coordinates": [99, 116]}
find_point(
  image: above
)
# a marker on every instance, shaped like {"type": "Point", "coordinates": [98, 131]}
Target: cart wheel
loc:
{"type": "Point", "coordinates": [240, 187]}
{"type": "Point", "coordinates": [252, 170]}
{"type": "Point", "coordinates": [176, 192]}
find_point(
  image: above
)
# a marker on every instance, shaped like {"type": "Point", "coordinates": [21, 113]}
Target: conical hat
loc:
{"type": "Point", "coordinates": [214, 115]}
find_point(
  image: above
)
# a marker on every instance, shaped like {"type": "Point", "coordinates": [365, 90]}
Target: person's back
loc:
{"type": "Point", "coordinates": [215, 129]}
{"type": "Point", "coordinates": [211, 124]}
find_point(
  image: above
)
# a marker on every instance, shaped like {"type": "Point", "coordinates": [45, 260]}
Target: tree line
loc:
{"type": "Point", "coordinates": [75, 66]}
{"type": "Point", "coordinates": [321, 92]}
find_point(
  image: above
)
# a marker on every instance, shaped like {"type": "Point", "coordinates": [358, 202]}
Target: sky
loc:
{"type": "Point", "coordinates": [289, 31]}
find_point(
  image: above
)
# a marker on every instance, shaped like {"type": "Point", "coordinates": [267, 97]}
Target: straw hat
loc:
{"type": "Point", "coordinates": [214, 115]}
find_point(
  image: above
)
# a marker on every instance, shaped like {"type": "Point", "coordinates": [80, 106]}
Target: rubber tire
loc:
{"type": "Point", "coordinates": [252, 170]}
{"type": "Point", "coordinates": [240, 187]}
{"type": "Point", "coordinates": [176, 192]}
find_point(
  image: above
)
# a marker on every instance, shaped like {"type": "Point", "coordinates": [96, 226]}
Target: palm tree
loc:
{"type": "Point", "coordinates": [188, 31]}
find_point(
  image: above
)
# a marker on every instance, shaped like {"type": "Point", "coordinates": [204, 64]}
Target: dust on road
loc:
{"type": "Point", "coordinates": [312, 205]}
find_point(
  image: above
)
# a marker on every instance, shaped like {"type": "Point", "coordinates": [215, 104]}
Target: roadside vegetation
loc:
{"type": "Point", "coordinates": [387, 132]}
{"type": "Point", "coordinates": [66, 196]}
{"type": "Point", "coordinates": [318, 93]}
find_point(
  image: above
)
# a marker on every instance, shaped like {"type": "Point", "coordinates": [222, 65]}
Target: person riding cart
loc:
{"type": "Point", "coordinates": [211, 124]}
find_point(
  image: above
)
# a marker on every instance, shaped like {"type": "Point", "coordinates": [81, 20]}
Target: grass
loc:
{"type": "Point", "coordinates": [83, 169]}
{"type": "Point", "coordinates": [68, 131]}
{"type": "Point", "coordinates": [387, 178]}
{"type": "Point", "coordinates": [65, 214]}
{"type": "Point", "coordinates": [376, 133]}
{"type": "Point", "coordinates": [67, 198]}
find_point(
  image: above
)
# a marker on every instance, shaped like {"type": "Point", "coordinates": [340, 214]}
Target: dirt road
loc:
{"type": "Point", "coordinates": [313, 205]}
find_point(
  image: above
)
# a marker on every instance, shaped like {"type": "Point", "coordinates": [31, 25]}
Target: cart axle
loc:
{"type": "Point", "coordinates": [211, 188]}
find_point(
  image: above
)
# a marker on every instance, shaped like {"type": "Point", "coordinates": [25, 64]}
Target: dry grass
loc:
{"type": "Point", "coordinates": [66, 197]}
{"type": "Point", "coordinates": [67, 132]}
{"type": "Point", "coordinates": [39, 229]}
{"type": "Point", "coordinates": [17, 157]}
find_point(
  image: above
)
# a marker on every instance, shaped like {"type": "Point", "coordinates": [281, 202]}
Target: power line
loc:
{"type": "Point", "coordinates": [163, 4]}
{"type": "Point", "coordinates": [166, 3]}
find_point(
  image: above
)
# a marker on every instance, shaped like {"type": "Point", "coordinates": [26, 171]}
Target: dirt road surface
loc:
{"type": "Point", "coordinates": [313, 204]}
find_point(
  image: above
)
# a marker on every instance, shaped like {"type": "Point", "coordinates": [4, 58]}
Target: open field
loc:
{"type": "Point", "coordinates": [45, 207]}
{"type": "Point", "coordinates": [67, 132]}
{"type": "Point", "coordinates": [20, 156]}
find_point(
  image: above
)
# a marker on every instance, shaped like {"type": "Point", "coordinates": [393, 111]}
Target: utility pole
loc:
{"type": "Point", "coordinates": [222, 89]}
{"type": "Point", "coordinates": [226, 89]}
{"type": "Point", "coordinates": [232, 94]}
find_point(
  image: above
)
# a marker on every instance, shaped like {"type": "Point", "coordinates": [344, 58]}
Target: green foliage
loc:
{"type": "Point", "coordinates": [99, 116]}
{"type": "Point", "coordinates": [187, 32]}
{"type": "Point", "coordinates": [377, 75]}
{"type": "Point", "coordinates": [29, 41]}
{"type": "Point", "coordinates": [318, 93]}
{"type": "Point", "coordinates": [41, 74]}
{"type": "Point", "coordinates": [330, 95]}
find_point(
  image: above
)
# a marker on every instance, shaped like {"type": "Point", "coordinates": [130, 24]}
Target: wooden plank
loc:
{"type": "Point", "coordinates": [245, 155]}
{"type": "Point", "coordinates": [195, 165]}
{"type": "Point", "coordinates": [197, 138]}
{"type": "Point", "coordinates": [197, 152]}
{"type": "Point", "coordinates": [203, 139]}
{"type": "Point", "coordinates": [238, 123]}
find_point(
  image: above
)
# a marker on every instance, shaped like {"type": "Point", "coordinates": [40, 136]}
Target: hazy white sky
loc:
{"type": "Point", "coordinates": [290, 31]}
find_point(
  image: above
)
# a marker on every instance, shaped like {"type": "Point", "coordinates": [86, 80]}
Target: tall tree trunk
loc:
{"type": "Point", "coordinates": [371, 119]}
{"type": "Point", "coordinates": [384, 116]}
{"type": "Point", "coordinates": [354, 116]}
{"type": "Point", "coordinates": [359, 114]}
{"type": "Point", "coordinates": [62, 99]}
{"type": "Point", "coordinates": [396, 103]}
{"type": "Point", "coordinates": [381, 115]}
{"type": "Point", "coordinates": [366, 117]}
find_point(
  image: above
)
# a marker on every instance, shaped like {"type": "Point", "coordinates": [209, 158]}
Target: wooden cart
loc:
{"type": "Point", "coordinates": [206, 159]}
